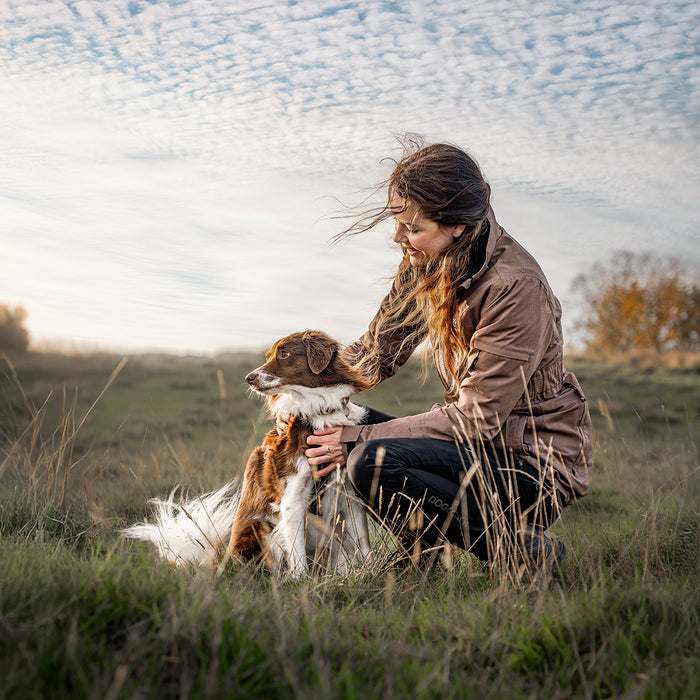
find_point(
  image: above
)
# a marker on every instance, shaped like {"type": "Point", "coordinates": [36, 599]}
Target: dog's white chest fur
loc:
{"type": "Point", "coordinates": [321, 407]}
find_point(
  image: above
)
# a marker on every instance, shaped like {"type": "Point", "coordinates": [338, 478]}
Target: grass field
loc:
{"type": "Point", "coordinates": [84, 613]}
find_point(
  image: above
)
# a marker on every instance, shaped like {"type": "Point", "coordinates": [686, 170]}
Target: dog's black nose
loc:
{"type": "Point", "coordinates": [251, 377]}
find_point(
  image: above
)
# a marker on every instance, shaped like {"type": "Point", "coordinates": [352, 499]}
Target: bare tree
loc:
{"type": "Point", "coordinates": [13, 335]}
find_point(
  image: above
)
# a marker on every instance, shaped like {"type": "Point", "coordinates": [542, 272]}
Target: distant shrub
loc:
{"type": "Point", "coordinates": [13, 335]}
{"type": "Point", "coordinates": [637, 301]}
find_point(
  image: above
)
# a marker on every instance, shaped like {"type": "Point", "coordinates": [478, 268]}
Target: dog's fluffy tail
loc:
{"type": "Point", "coordinates": [193, 532]}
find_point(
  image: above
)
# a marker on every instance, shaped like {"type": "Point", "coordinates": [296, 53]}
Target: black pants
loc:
{"type": "Point", "coordinates": [393, 475]}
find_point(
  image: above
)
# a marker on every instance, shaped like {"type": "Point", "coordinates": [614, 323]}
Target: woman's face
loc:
{"type": "Point", "coordinates": [421, 239]}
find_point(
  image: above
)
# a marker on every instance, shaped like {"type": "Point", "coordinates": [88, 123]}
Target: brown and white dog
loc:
{"type": "Point", "coordinates": [305, 380]}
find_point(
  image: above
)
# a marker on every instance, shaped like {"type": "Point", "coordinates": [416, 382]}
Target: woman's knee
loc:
{"type": "Point", "coordinates": [362, 464]}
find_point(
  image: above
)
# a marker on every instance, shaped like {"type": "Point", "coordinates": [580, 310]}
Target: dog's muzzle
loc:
{"type": "Point", "coordinates": [262, 381]}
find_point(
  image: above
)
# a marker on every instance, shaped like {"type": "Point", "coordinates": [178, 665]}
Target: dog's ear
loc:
{"type": "Point", "coordinates": [319, 353]}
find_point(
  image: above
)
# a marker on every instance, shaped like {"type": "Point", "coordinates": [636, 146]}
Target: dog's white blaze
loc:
{"type": "Point", "coordinates": [267, 381]}
{"type": "Point", "coordinates": [291, 527]}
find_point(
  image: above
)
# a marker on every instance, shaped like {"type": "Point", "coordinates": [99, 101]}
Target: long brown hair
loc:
{"type": "Point", "coordinates": [448, 187]}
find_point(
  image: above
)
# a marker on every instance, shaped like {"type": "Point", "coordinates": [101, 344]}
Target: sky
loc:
{"type": "Point", "coordinates": [171, 170]}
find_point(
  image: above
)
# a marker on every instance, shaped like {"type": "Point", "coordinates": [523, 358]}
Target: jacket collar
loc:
{"type": "Point", "coordinates": [495, 233]}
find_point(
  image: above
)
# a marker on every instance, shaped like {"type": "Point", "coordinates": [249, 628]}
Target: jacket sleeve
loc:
{"type": "Point", "coordinates": [516, 326]}
{"type": "Point", "coordinates": [389, 350]}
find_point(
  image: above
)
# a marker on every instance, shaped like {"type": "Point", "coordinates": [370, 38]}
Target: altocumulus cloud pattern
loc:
{"type": "Point", "coordinates": [159, 147]}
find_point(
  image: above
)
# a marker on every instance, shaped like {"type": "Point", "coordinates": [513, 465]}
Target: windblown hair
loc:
{"type": "Point", "coordinates": [449, 188]}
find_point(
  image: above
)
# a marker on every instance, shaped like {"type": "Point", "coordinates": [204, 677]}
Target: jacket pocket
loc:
{"type": "Point", "coordinates": [577, 390]}
{"type": "Point", "coordinates": [561, 424]}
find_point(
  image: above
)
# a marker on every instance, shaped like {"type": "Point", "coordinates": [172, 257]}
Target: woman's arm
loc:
{"type": "Point", "coordinates": [385, 351]}
{"type": "Point", "coordinates": [513, 333]}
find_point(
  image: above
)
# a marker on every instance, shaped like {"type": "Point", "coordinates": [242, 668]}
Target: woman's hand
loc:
{"type": "Point", "coordinates": [328, 449]}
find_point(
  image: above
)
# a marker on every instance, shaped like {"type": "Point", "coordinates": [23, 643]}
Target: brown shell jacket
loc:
{"type": "Point", "coordinates": [514, 392]}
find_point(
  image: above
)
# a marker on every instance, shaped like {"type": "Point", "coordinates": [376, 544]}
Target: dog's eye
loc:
{"type": "Point", "coordinates": [283, 355]}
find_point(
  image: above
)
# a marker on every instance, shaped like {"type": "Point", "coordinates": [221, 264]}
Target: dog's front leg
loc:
{"type": "Point", "coordinates": [295, 499]}
{"type": "Point", "coordinates": [341, 503]}
{"type": "Point", "coordinates": [357, 517]}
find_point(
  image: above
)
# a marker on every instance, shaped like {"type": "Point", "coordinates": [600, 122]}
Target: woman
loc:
{"type": "Point", "coordinates": [492, 468]}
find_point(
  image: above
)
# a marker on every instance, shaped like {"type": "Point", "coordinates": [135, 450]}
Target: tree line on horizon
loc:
{"type": "Point", "coordinates": [14, 337]}
{"type": "Point", "coordinates": [633, 302]}
{"type": "Point", "coordinates": [639, 302]}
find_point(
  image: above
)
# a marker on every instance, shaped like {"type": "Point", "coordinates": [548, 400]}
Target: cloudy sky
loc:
{"type": "Point", "coordinates": [170, 168]}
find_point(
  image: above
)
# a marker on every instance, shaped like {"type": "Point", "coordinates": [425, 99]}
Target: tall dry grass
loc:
{"type": "Point", "coordinates": [42, 462]}
{"type": "Point", "coordinates": [85, 614]}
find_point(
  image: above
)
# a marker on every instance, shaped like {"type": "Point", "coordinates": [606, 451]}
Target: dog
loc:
{"type": "Point", "coordinates": [305, 380]}
{"type": "Point", "coordinates": [275, 518]}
